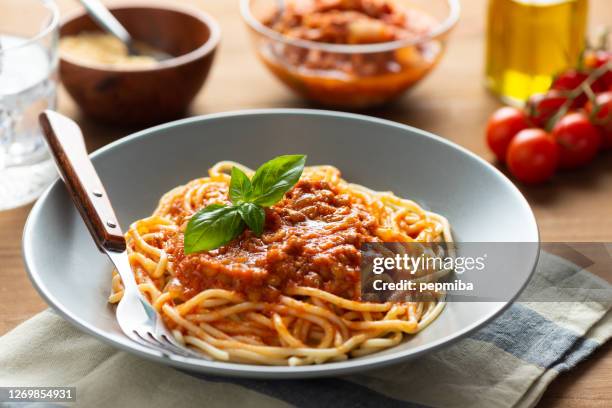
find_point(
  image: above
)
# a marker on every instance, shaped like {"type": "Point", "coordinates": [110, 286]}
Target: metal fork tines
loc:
{"type": "Point", "coordinates": [138, 319]}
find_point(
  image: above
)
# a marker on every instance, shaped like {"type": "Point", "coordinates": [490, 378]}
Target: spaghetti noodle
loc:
{"type": "Point", "coordinates": [291, 296]}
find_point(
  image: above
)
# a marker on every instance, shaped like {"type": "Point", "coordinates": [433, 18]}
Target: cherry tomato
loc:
{"type": "Point", "coordinates": [600, 114]}
{"type": "Point", "coordinates": [542, 107]}
{"type": "Point", "coordinates": [578, 140]}
{"type": "Point", "coordinates": [569, 81]}
{"type": "Point", "coordinates": [594, 60]}
{"type": "Point", "coordinates": [532, 156]}
{"type": "Point", "coordinates": [501, 128]}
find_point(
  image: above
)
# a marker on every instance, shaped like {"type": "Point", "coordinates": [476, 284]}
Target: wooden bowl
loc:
{"type": "Point", "coordinates": [137, 97]}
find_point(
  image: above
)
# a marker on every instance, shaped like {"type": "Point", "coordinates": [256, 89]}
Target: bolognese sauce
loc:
{"type": "Point", "coordinates": [311, 238]}
{"type": "Point", "coordinates": [350, 79]}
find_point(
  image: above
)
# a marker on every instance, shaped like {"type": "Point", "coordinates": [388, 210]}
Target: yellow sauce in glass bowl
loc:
{"type": "Point", "coordinates": [102, 49]}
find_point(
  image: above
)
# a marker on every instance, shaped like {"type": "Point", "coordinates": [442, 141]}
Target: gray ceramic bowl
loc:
{"type": "Point", "coordinates": [481, 204]}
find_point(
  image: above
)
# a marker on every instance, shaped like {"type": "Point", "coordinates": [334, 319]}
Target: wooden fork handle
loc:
{"type": "Point", "coordinates": [67, 146]}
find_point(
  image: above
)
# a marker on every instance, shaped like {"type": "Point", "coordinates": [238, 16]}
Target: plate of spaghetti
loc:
{"type": "Point", "coordinates": [252, 256]}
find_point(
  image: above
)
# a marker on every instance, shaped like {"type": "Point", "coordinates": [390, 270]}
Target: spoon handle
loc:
{"type": "Point", "coordinates": [66, 143]}
{"type": "Point", "coordinates": [106, 20]}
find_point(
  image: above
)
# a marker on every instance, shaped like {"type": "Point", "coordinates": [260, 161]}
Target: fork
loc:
{"type": "Point", "coordinates": [136, 317]}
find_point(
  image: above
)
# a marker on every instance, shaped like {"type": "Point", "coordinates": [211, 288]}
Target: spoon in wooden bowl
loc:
{"type": "Point", "coordinates": [103, 17]}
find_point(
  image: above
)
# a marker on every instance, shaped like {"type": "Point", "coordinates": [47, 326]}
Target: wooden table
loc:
{"type": "Point", "coordinates": [451, 102]}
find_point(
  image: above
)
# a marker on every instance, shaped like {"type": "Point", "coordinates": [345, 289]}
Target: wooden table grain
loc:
{"type": "Point", "coordinates": [451, 102]}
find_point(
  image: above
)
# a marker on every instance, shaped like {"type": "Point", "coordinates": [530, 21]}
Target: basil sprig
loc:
{"type": "Point", "coordinates": [217, 224]}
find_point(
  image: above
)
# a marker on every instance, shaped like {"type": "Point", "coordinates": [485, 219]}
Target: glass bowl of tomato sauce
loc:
{"type": "Point", "coordinates": [350, 54]}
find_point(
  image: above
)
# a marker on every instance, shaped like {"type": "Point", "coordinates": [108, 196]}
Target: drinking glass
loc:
{"type": "Point", "coordinates": [28, 84]}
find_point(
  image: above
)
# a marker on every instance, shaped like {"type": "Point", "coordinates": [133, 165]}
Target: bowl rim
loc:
{"type": "Point", "coordinates": [454, 10]}
{"type": "Point", "coordinates": [251, 370]}
{"type": "Point", "coordinates": [203, 50]}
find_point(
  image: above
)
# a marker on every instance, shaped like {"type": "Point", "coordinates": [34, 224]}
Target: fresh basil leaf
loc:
{"type": "Point", "coordinates": [274, 178]}
{"type": "Point", "coordinates": [240, 186]}
{"type": "Point", "coordinates": [212, 227]}
{"type": "Point", "coordinates": [254, 216]}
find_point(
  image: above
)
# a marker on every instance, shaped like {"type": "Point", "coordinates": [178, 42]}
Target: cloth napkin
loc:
{"type": "Point", "coordinates": [510, 362]}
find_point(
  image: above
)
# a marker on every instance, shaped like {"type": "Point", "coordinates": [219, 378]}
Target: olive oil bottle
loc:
{"type": "Point", "coordinates": [530, 41]}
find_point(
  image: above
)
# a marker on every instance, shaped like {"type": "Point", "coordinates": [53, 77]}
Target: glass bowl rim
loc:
{"type": "Point", "coordinates": [53, 25]}
{"type": "Point", "coordinates": [449, 22]}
